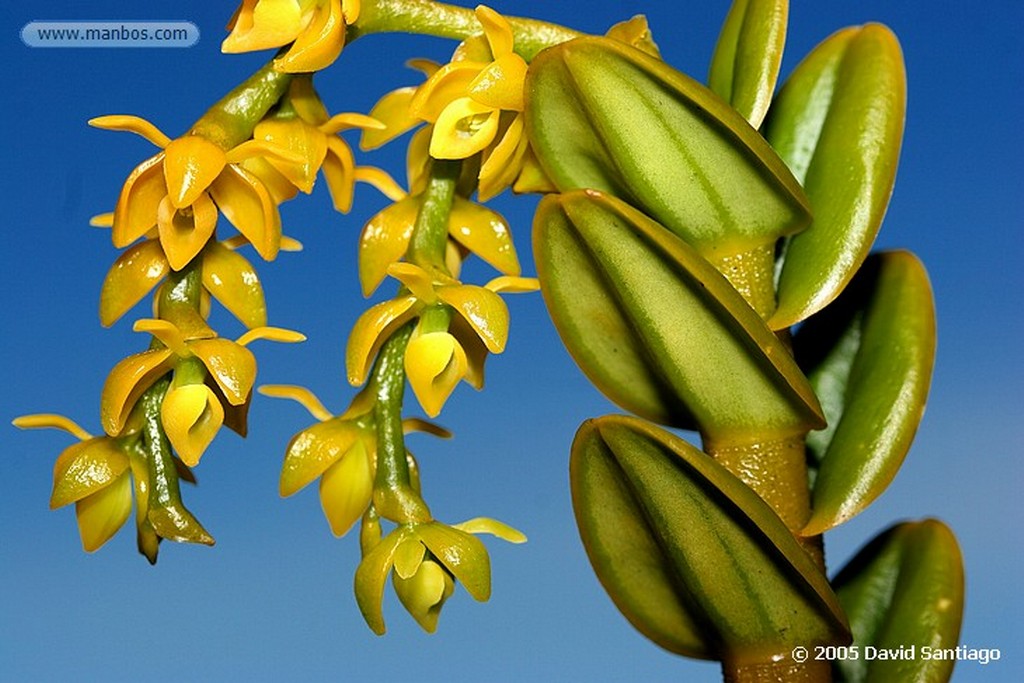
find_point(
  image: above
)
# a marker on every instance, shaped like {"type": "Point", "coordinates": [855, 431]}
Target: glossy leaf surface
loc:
{"type": "Point", "coordinates": [745, 66]}
{"type": "Point", "coordinates": [838, 124]}
{"type": "Point", "coordinates": [904, 589]}
{"type": "Point", "coordinates": [657, 328]}
{"type": "Point", "coordinates": [869, 357]}
{"type": "Point", "coordinates": [691, 555]}
{"type": "Point", "coordinates": [603, 115]}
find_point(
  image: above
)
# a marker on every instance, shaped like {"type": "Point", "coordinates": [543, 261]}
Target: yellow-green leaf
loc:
{"type": "Point", "coordinates": [869, 358]}
{"type": "Point", "coordinates": [838, 124]}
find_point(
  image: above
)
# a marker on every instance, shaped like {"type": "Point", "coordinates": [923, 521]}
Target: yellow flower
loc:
{"type": "Point", "coordinates": [465, 101]}
{"type": "Point", "coordinates": [304, 128]}
{"type": "Point", "coordinates": [226, 275]}
{"type": "Point", "coordinates": [427, 559]}
{"type": "Point", "coordinates": [315, 28]}
{"type": "Point", "coordinates": [437, 363]}
{"type": "Point", "coordinates": [94, 475]}
{"type": "Point", "coordinates": [230, 364]}
{"type": "Point", "coordinates": [180, 190]}
{"type": "Point", "coordinates": [386, 238]}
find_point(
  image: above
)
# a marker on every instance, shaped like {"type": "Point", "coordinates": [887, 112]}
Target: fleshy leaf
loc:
{"type": "Point", "coordinates": [748, 56]}
{"type": "Point", "coordinates": [658, 329]}
{"type": "Point", "coordinates": [601, 114]}
{"type": "Point", "coordinates": [838, 124]}
{"type": "Point", "coordinates": [689, 554]}
{"type": "Point", "coordinates": [869, 357]}
{"type": "Point", "coordinates": [904, 590]}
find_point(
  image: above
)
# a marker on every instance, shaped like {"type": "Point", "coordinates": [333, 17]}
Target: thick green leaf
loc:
{"type": "Point", "coordinates": [838, 123]}
{"type": "Point", "coordinates": [603, 115]}
{"type": "Point", "coordinates": [904, 590]}
{"type": "Point", "coordinates": [869, 357]}
{"type": "Point", "coordinates": [658, 329]}
{"type": "Point", "coordinates": [689, 554]}
{"type": "Point", "coordinates": [748, 55]}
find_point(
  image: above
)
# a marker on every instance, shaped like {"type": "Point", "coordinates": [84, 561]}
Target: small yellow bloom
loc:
{"type": "Point", "coordinates": [315, 28]}
{"type": "Point", "coordinates": [94, 474]}
{"type": "Point", "coordinates": [180, 190]}
{"type": "Point", "coordinates": [306, 130]}
{"type": "Point", "coordinates": [410, 550]}
{"type": "Point", "coordinates": [230, 364]}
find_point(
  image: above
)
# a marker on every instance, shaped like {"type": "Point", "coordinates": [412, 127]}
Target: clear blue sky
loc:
{"type": "Point", "coordinates": [273, 599]}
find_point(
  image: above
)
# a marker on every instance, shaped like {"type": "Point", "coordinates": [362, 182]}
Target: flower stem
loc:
{"type": "Point", "coordinates": [430, 235]}
{"type": "Point", "coordinates": [450, 21]}
{"type": "Point", "coordinates": [394, 496]}
{"type": "Point", "coordinates": [231, 121]}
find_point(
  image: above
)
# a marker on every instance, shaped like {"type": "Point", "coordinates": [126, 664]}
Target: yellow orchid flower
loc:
{"type": "Point", "coordinates": [180, 190]}
{"type": "Point", "coordinates": [315, 28]}
{"type": "Point", "coordinates": [226, 275]}
{"type": "Point", "coordinates": [94, 474]}
{"type": "Point", "coordinates": [386, 237]}
{"type": "Point", "coordinates": [413, 551]}
{"type": "Point", "coordinates": [230, 364]}
{"type": "Point", "coordinates": [306, 130]}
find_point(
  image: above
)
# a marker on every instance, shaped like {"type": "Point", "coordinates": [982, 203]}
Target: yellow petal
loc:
{"type": "Point", "coordinates": [84, 468]}
{"type": "Point", "coordinates": [416, 279]}
{"type": "Point", "coordinates": [463, 554]}
{"type": "Point", "coordinates": [482, 309]}
{"type": "Point", "coordinates": [362, 403]}
{"type": "Point", "coordinates": [232, 366]}
{"type": "Point", "coordinates": [191, 417]}
{"type": "Point", "coordinates": [428, 67]}
{"type": "Point", "coordinates": [138, 202]}
{"type": "Point", "coordinates": [278, 186]}
{"type": "Point", "coordinates": [486, 525]}
{"type": "Point", "coordinates": [513, 285]}
{"type": "Point", "coordinates": [380, 179]}
{"type": "Point", "coordinates": [501, 84]}
{"type": "Point", "coordinates": [232, 280]}
{"type": "Point", "coordinates": [464, 128]}
{"type": "Point", "coordinates": [263, 24]}
{"type": "Point", "coordinates": [371, 330]}
{"type": "Point", "coordinates": [350, 8]}
{"type": "Point", "coordinates": [41, 420]}
{"type": "Point", "coordinates": [417, 160]}
{"type": "Point", "coordinates": [415, 424]}
{"type": "Point", "coordinates": [184, 232]}
{"type": "Point", "coordinates": [408, 557]}
{"type": "Point", "coordinates": [392, 110]}
{"type": "Point", "coordinates": [132, 124]}
{"type": "Point", "coordinates": [497, 30]}
{"type": "Point", "coordinates": [297, 136]}
{"type": "Point", "coordinates": [444, 87]}
{"type": "Point", "coordinates": [315, 449]}
{"type": "Point", "coordinates": [245, 202]}
{"type": "Point", "coordinates": [190, 166]}
{"type": "Point", "coordinates": [104, 512]}
{"type": "Point", "coordinates": [485, 233]}
{"type": "Point", "coordinates": [257, 149]}
{"type": "Point", "coordinates": [134, 274]}
{"type": "Point", "coordinates": [126, 383]}
{"type": "Point", "coordinates": [434, 363]}
{"type": "Point", "coordinates": [504, 162]}
{"type": "Point", "coordinates": [278, 334]}
{"type": "Point", "coordinates": [319, 44]}
{"type": "Point", "coordinates": [102, 220]}
{"type": "Point", "coordinates": [301, 395]}
{"type": "Point", "coordinates": [305, 100]}
{"type": "Point", "coordinates": [340, 122]}
{"type": "Point", "coordinates": [346, 488]}
{"type": "Point", "coordinates": [424, 593]}
{"type": "Point", "coordinates": [476, 351]}
{"type": "Point", "coordinates": [371, 576]}
{"type": "Point", "coordinates": [384, 241]}
{"type": "Point", "coordinates": [339, 172]}
{"type": "Point", "coordinates": [532, 177]}
{"type": "Point", "coordinates": [167, 332]}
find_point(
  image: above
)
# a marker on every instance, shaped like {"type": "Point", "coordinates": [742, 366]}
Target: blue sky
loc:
{"type": "Point", "coordinates": [273, 599]}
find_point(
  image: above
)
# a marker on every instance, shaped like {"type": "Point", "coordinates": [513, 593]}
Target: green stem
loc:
{"type": "Point", "coordinates": [450, 21]}
{"type": "Point", "coordinates": [231, 121]}
{"type": "Point", "coordinates": [393, 496]}
{"type": "Point", "coordinates": [430, 235]}
{"type": "Point", "coordinates": [751, 273]}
